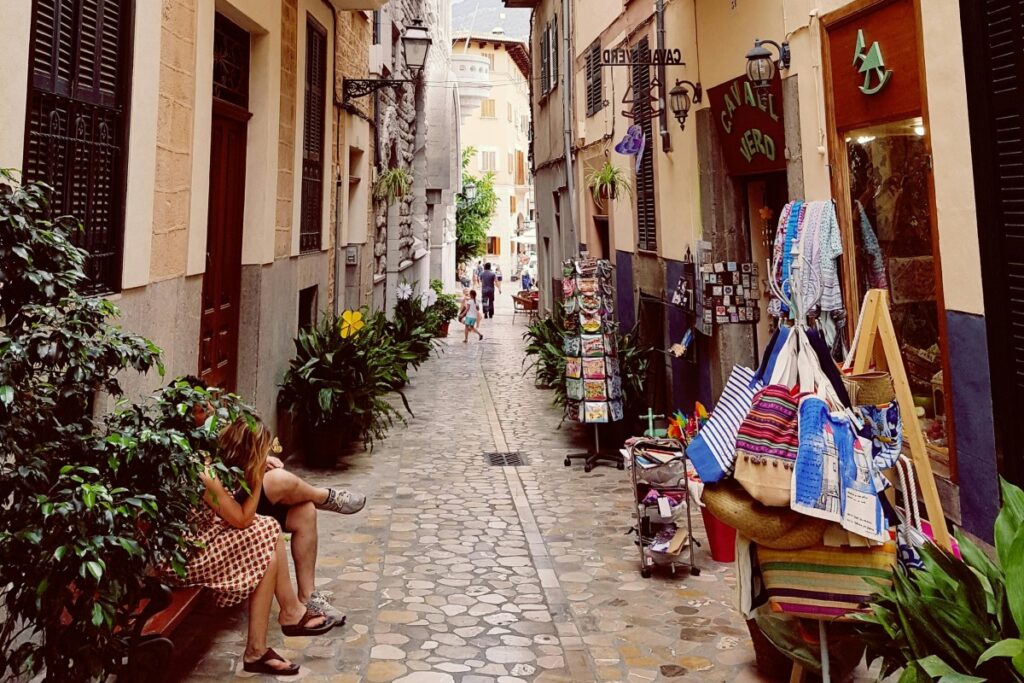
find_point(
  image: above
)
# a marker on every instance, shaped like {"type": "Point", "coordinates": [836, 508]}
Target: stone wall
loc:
{"type": "Point", "coordinates": [172, 189]}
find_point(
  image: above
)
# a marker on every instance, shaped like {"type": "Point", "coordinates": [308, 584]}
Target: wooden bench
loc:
{"type": "Point", "coordinates": [152, 648]}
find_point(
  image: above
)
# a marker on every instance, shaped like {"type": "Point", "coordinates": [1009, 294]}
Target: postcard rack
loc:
{"type": "Point", "coordinates": [659, 466]}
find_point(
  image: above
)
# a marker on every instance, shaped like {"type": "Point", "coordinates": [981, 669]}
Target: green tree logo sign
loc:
{"type": "Point", "coordinates": [872, 65]}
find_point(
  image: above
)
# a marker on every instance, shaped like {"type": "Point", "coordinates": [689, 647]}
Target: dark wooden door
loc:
{"type": "Point", "coordinates": [994, 60]}
{"type": "Point", "coordinates": [222, 282]}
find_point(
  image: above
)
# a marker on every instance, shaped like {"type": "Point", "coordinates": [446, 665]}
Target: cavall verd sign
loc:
{"type": "Point", "coordinates": [751, 126]}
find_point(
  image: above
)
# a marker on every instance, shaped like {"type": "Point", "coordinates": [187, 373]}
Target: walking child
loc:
{"type": "Point", "coordinates": [470, 315]}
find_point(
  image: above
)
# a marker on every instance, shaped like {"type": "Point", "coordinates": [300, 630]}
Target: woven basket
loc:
{"type": "Point", "coordinates": [870, 388]}
{"type": "Point", "coordinates": [771, 527]}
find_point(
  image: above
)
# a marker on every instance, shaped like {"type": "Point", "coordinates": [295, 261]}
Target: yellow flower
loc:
{"type": "Point", "coordinates": [351, 322]}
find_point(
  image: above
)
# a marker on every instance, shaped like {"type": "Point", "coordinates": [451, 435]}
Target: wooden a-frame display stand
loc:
{"type": "Point", "coordinates": [877, 345]}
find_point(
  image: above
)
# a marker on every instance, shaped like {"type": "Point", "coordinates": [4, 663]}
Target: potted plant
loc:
{"type": "Point", "coordinates": [336, 384]}
{"type": "Point", "coordinates": [607, 182]}
{"type": "Point", "coordinates": [442, 308]}
{"type": "Point", "coordinates": [952, 619]}
{"type": "Point", "coordinates": [392, 184]}
{"type": "Point", "coordinates": [93, 498]}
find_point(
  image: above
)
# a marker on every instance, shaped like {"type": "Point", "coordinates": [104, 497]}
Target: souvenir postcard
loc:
{"type": "Point", "coordinates": [595, 390]}
{"type": "Point", "coordinates": [595, 411]}
{"type": "Point", "coordinates": [593, 368]}
{"type": "Point", "coordinates": [593, 345]}
{"type": "Point", "coordinates": [574, 389]}
{"type": "Point", "coordinates": [573, 368]}
{"type": "Point", "coordinates": [572, 345]}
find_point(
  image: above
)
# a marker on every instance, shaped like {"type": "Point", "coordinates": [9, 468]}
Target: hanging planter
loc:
{"type": "Point", "coordinates": [606, 183]}
{"type": "Point", "coordinates": [392, 184]}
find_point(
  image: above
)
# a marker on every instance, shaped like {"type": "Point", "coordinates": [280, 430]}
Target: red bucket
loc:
{"type": "Point", "coordinates": [721, 537]}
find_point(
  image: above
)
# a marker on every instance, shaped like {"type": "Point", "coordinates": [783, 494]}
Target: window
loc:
{"type": "Point", "coordinates": [520, 168]}
{"type": "Point", "coordinates": [595, 96]}
{"type": "Point", "coordinates": [553, 44]}
{"type": "Point", "coordinates": [377, 17]}
{"type": "Point", "coordinates": [490, 59]}
{"type": "Point", "coordinates": [494, 246]}
{"type": "Point", "coordinates": [488, 161]}
{"type": "Point", "coordinates": [313, 137]}
{"type": "Point", "coordinates": [545, 67]}
{"type": "Point", "coordinates": [647, 231]}
{"type": "Point", "coordinates": [487, 110]}
{"type": "Point", "coordinates": [549, 56]}
{"type": "Point", "coordinates": [510, 117]}
{"type": "Point", "coordinates": [512, 205]}
{"type": "Point", "coordinates": [307, 307]}
{"type": "Point", "coordinates": [77, 122]}
{"type": "Point", "coordinates": [511, 163]}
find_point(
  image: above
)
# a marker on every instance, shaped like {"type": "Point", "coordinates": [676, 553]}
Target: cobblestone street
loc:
{"type": "Point", "coordinates": [461, 571]}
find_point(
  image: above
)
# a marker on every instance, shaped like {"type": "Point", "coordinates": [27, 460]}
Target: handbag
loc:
{"type": "Point", "coordinates": [766, 440]}
{"type": "Point", "coordinates": [825, 582]}
{"type": "Point", "coordinates": [713, 450]}
{"type": "Point", "coordinates": [772, 527]}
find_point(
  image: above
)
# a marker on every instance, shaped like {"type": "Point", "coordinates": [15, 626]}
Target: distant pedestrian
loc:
{"type": "Point", "coordinates": [487, 280]}
{"type": "Point", "coordinates": [497, 272]}
{"type": "Point", "coordinates": [477, 273]}
{"type": "Point", "coordinates": [470, 315]}
{"type": "Point", "coordinates": [525, 280]}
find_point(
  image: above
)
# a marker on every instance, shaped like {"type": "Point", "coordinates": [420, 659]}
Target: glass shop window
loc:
{"type": "Point", "coordinates": [892, 226]}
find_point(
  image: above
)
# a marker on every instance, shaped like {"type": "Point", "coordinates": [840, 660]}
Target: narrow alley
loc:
{"type": "Point", "coordinates": [460, 571]}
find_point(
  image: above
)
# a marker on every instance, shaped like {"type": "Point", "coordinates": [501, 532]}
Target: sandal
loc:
{"type": "Point", "coordinates": [262, 665]}
{"type": "Point", "coordinates": [300, 628]}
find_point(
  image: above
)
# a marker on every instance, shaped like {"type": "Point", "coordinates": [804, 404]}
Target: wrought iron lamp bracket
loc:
{"type": "Point", "coordinates": [353, 88]}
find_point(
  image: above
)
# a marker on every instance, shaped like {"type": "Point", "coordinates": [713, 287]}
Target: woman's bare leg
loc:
{"type": "Point", "coordinates": [292, 610]}
{"type": "Point", "coordinates": [259, 611]}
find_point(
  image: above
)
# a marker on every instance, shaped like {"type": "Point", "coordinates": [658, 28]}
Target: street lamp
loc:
{"type": "Point", "coordinates": [415, 44]}
{"type": "Point", "coordinates": [680, 99]}
{"type": "Point", "coordinates": [761, 66]}
{"type": "Point", "coordinates": [469, 191]}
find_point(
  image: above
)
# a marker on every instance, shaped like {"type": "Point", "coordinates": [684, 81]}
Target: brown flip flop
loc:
{"type": "Point", "coordinates": [300, 628]}
{"type": "Point", "coordinates": [262, 665]}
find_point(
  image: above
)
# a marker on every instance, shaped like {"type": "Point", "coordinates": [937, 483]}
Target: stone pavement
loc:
{"type": "Point", "coordinates": [460, 571]}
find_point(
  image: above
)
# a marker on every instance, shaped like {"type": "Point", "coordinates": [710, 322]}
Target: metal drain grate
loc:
{"type": "Point", "coordinates": [513, 459]}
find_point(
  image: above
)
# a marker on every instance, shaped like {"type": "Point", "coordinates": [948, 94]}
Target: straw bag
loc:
{"type": "Point", "coordinates": [771, 527]}
{"type": "Point", "coordinates": [870, 388]}
{"type": "Point", "coordinates": [824, 582]}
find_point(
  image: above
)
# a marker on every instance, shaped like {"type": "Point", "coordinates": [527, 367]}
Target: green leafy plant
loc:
{"type": "Point", "coordinates": [473, 216]}
{"type": "Point", "coordinates": [90, 499]}
{"type": "Point", "coordinates": [413, 326]}
{"type": "Point", "coordinates": [545, 353]}
{"type": "Point", "coordinates": [607, 181]}
{"type": "Point", "coordinates": [444, 309]}
{"type": "Point", "coordinates": [955, 621]}
{"type": "Point", "coordinates": [392, 184]}
{"type": "Point", "coordinates": [634, 360]}
{"type": "Point", "coordinates": [339, 383]}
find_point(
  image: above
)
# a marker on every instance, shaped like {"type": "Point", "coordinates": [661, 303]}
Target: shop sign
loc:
{"type": "Point", "coordinates": [750, 124]}
{"type": "Point", "coordinates": [873, 64]}
{"type": "Point", "coordinates": [629, 57]}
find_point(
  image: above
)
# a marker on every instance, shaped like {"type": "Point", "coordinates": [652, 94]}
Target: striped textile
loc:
{"type": "Point", "coordinates": [770, 430]}
{"type": "Point", "coordinates": [713, 450]}
{"type": "Point", "coordinates": [824, 582]}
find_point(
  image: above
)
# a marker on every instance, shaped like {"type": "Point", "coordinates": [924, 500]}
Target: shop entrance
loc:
{"type": "Point", "coordinates": [765, 196]}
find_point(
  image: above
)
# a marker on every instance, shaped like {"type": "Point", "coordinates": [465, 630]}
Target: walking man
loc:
{"type": "Point", "coordinates": [487, 280]}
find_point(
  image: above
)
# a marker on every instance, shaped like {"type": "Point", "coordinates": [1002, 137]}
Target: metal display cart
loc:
{"type": "Point", "coordinates": [667, 477]}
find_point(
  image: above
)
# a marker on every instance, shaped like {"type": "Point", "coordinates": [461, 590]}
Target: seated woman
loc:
{"type": "Point", "coordinates": [242, 554]}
